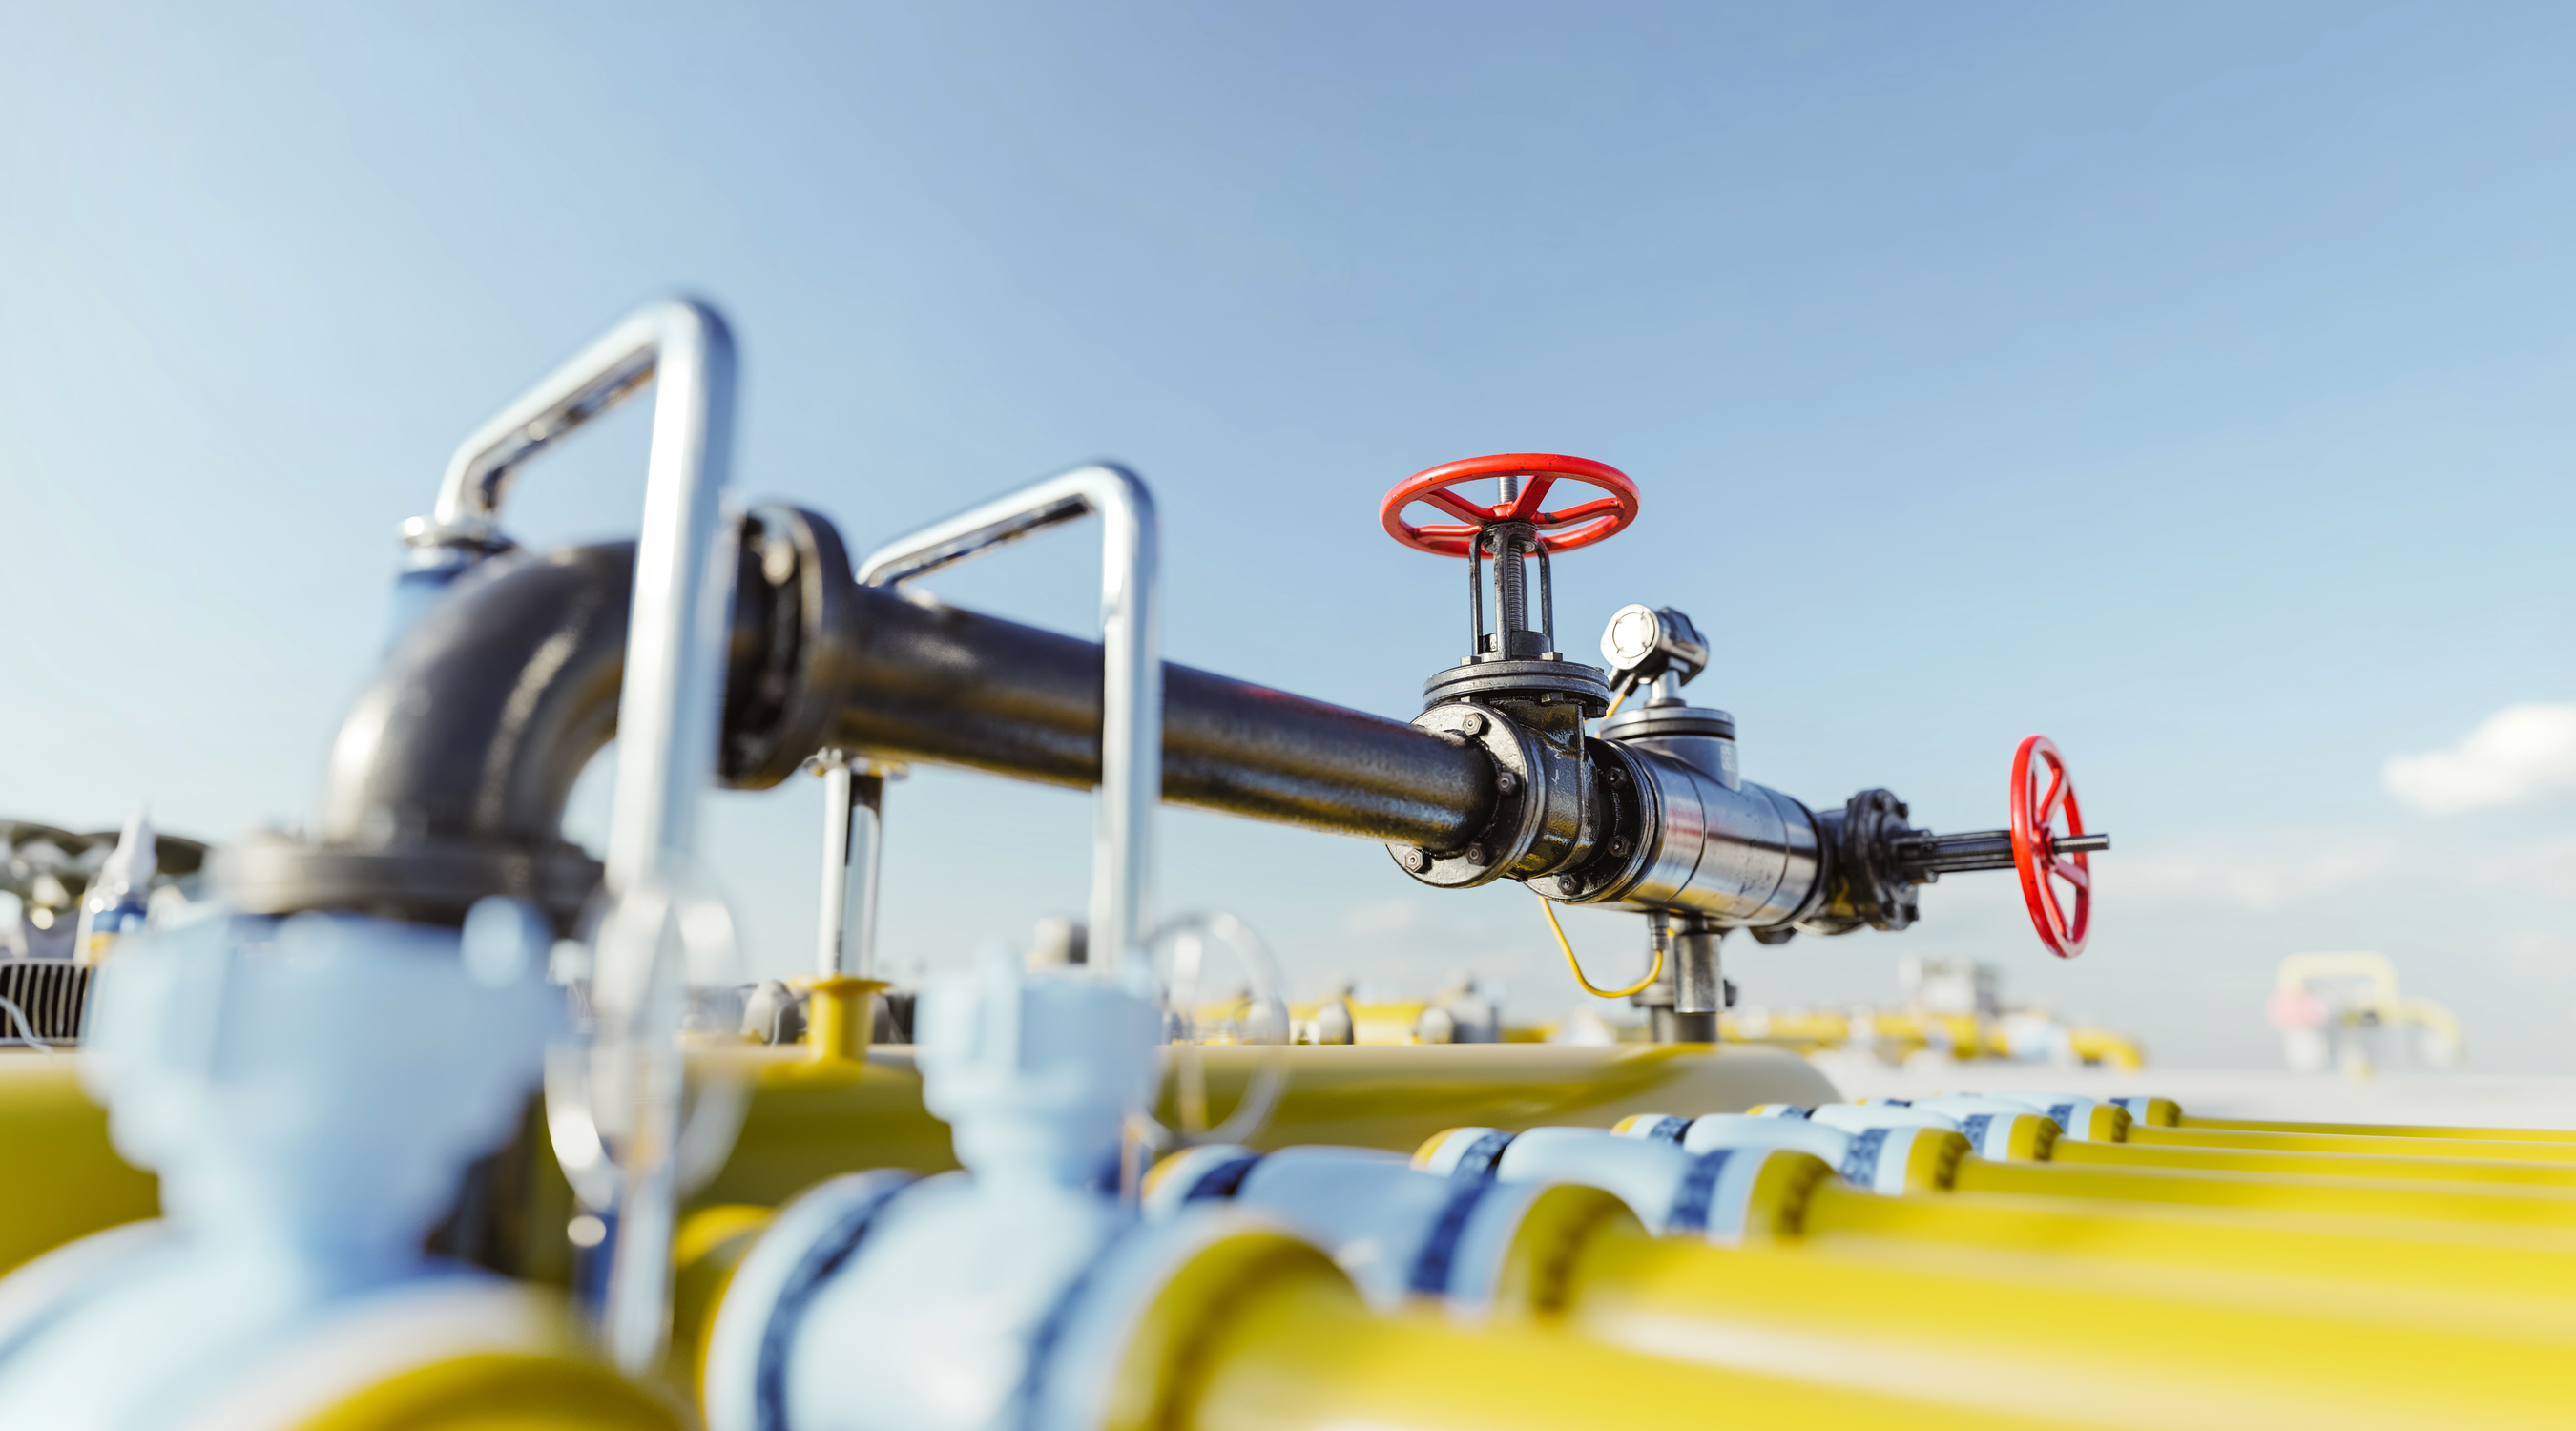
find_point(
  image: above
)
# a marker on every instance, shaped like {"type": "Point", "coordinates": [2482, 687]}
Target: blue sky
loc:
{"type": "Point", "coordinates": [2190, 383]}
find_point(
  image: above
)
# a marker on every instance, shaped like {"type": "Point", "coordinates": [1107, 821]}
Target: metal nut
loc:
{"type": "Point", "coordinates": [1614, 774]}
{"type": "Point", "coordinates": [1418, 861]}
{"type": "Point", "coordinates": [1572, 884]}
{"type": "Point", "coordinates": [1506, 782]}
{"type": "Point", "coordinates": [1473, 723]}
{"type": "Point", "coordinates": [1619, 847]}
{"type": "Point", "coordinates": [1476, 854]}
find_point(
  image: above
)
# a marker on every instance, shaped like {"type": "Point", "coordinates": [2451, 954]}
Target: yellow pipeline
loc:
{"type": "Point", "coordinates": [810, 1120]}
{"type": "Point", "coordinates": [2143, 1343]}
{"type": "Point", "coordinates": [2382, 1144]}
{"type": "Point", "coordinates": [2426, 1168]}
{"type": "Point", "coordinates": [2341, 1197]}
{"type": "Point", "coordinates": [1395, 1097]}
{"type": "Point", "coordinates": [2378, 1130]}
{"type": "Point", "coordinates": [503, 1392]}
{"type": "Point", "coordinates": [1794, 1197]}
{"type": "Point", "coordinates": [518, 1361]}
{"type": "Point", "coordinates": [2166, 1113]}
{"type": "Point", "coordinates": [63, 1180]}
{"type": "Point", "coordinates": [2393, 1253]}
{"type": "Point", "coordinates": [1263, 1333]}
{"type": "Point", "coordinates": [2135, 1350]}
{"type": "Point", "coordinates": [709, 1249]}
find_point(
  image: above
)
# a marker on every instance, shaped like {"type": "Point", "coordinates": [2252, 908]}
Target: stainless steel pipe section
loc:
{"type": "Point", "coordinates": [1747, 855]}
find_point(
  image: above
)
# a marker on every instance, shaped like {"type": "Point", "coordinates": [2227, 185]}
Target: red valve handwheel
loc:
{"type": "Point", "coordinates": [2035, 808]}
{"type": "Point", "coordinates": [1562, 531]}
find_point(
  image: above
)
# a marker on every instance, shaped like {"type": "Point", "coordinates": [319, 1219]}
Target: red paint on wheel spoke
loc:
{"type": "Point", "coordinates": [2035, 813]}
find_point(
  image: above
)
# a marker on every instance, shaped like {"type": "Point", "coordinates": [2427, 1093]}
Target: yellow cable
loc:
{"type": "Point", "coordinates": [1614, 705]}
{"type": "Point", "coordinates": [1548, 907]}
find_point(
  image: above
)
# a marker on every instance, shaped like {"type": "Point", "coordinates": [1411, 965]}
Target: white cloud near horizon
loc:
{"type": "Point", "coordinates": [2519, 753]}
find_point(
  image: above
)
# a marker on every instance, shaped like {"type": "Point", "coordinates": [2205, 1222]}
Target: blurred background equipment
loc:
{"type": "Point", "coordinates": [2344, 1012]}
{"type": "Point", "coordinates": [66, 900]}
{"type": "Point", "coordinates": [1953, 1012]}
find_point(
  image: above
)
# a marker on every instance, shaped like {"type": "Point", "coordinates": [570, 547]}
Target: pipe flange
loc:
{"type": "Point", "coordinates": [1518, 814]}
{"type": "Point", "coordinates": [778, 714]}
{"type": "Point", "coordinates": [1864, 885]}
{"type": "Point", "coordinates": [1569, 682]}
{"type": "Point", "coordinates": [1652, 721]}
{"type": "Point", "coordinates": [1632, 821]}
{"type": "Point", "coordinates": [423, 881]}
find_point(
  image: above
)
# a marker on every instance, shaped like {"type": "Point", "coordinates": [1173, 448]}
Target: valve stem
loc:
{"type": "Point", "coordinates": [1925, 857]}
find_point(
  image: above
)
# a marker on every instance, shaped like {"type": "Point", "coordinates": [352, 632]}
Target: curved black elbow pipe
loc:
{"type": "Point", "coordinates": [449, 776]}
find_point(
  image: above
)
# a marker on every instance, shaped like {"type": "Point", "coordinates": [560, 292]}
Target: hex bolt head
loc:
{"type": "Point", "coordinates": [1506, 782]}
{"type": "Point", "coordinates": [1619, 847]}
{"type": "Point", "coordinates": [1473, 723]}
{"type": "Point", "coordinates": [1572, 884]}
{"type": "Point", "coordinates": [1614, 774]}
{"type": "Point", "coordinates": [1476, 854]}
{"type": "Point", "coordinates": [1418, 861]}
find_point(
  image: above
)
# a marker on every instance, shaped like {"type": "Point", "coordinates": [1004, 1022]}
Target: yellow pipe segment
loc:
{"type": "Point", "coordinates": [2137, 1144]}
{"type": "Point", "coordinates": [2018, 1339]}
{"type": "Point", "coordinates": [1936, 1159]}
{"type": "Point", "coordinates": [813, 1119]}
{"type": "Point", "coordinates": [2263, 1163]}
{"type": "Point", "coordinates": [1264, 1333]}
{"type": "Point", "coordinates": [2429, 1256]}
{"type": "Point", "coordinates": [2135, 1344]}
{"type": "Point", "coordinates": [2217, 1228]}
{"type": "Point", "coordinates": [853, 1108]}
{"type": "Point", "coordinates": [503, 1359]}
{"type": "Point", "coordinates": [2338, 1197]}
{"type": "Point", "coordinates": [64, 1179]}
{"type": "Point", "coordinates": [2375, 1130]}
{"type": "Point", "coordinates": [2384, 1144]}
{"type": "Point", "coordinates": [497, 1392]}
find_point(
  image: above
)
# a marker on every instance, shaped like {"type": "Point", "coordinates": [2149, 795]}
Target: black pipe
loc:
{"type": "Point", "coordinates": [951, 687]}
{"type": "Point", "coordinates": [449, 775]}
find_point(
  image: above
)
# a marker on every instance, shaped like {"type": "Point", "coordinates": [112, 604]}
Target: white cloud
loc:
{"type": "Point", "coordinates": [2517, 754]}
